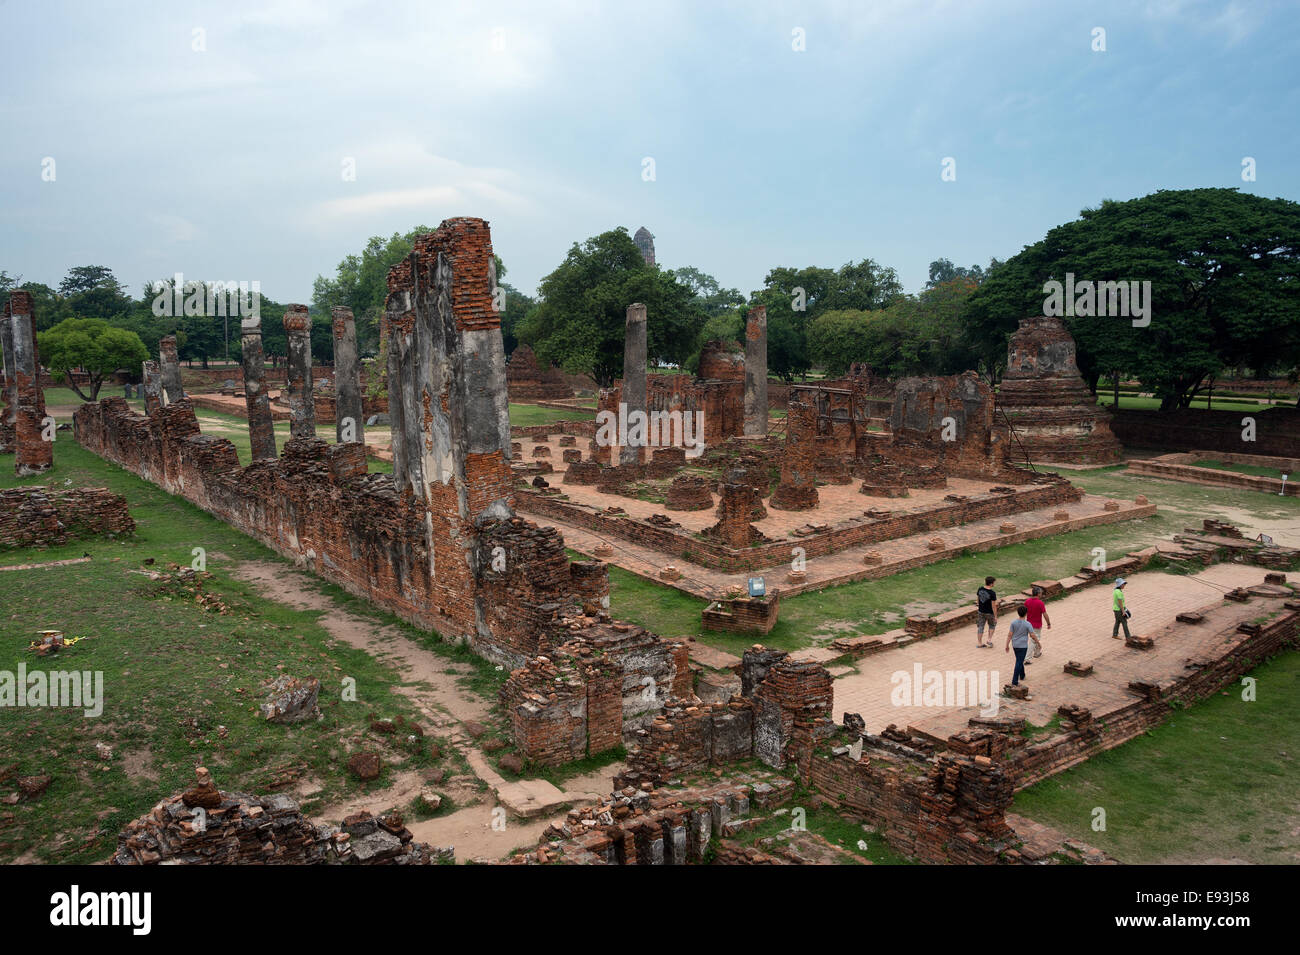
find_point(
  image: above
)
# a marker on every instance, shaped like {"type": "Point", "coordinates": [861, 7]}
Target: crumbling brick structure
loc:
{"type": "Point", "coordinates": [798, 488]}
{"type": "Point", "coordinates": [170, 364]}
{"type": "Point", "coordinates": [756, 371]}
{"type": "Point", "coordinates": [9, 391]}
{"type": "Point", "coordinates": [420, 542]}
{"type": "Point", "coordinates": [735, 511]}
{"type": "Point", "coordinates": [40, 517]}
{"type": "Point", "coordinates": [527, 381]}
{"type": "Point", "coordinates": [205, 826]}
{"type": "Point", "coordinates": [1045, 402]}
{"type": "Point", "coordinates": [33, 453]}
{"type": "Point", "coordinates": [261, 423]}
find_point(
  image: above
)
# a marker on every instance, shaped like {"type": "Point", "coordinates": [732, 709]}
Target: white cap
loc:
{"type": "Point", "coordinates": [1120, 581]}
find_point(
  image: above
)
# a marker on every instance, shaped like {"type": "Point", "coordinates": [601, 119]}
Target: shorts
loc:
{"type": "Point", "coordinates": [985, 619]}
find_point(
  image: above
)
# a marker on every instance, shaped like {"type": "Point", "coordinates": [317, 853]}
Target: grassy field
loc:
{"type": "Point", "coordinates": [1153, 404]}
{"type": "Point", "coordinates": [174, 674]}
{"type": "Point", "coordinates": [524, 416]}
{"type": "Point", "coordinates": [1216, 782]}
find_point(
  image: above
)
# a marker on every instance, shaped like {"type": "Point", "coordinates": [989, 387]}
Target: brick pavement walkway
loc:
{"type": "Point", "coordinates": [1081, 631]}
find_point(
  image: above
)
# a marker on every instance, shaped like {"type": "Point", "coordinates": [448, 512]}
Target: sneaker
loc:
{"type": "Point", "coordinates": [1028, 662]}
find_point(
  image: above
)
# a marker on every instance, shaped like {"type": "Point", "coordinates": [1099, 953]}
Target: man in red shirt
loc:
{"type": "Point", "coordinates": [1036, 613]}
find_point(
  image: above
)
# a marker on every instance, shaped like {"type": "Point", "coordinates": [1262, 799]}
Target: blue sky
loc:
{"type": "Point", "coordinates": [226, 162]}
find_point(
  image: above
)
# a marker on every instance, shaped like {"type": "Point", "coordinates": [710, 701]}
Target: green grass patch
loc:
{"type": "Point", "coordinates": [1216, 781]}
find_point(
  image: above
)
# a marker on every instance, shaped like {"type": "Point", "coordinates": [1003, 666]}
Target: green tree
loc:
{"type": "Point", "coordinates": [580, 321]}
{"type": "Point", "coordinates": [361, 283]}
{"type": "Point", "coordinates": [92, 291]}
{"type": "Point", "coordinates": [714, 300]}
{"type": "Point", "coordinates": [795, 297]}
{"type": "Point", "coordinates": [92, 346]}
{"type": "Point", "coordinates": [1224, 269]}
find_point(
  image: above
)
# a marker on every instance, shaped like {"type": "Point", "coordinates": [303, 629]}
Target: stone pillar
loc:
{"type": "Point", "coordinates": [399, 333]}
{"type": "Point", "coordinates": [634, 387]}
{"type": "Point", "coordinates": [151, 386]}
{"type": "Point", "coordinates": [756, 372]}
{"type": "Point", "coordinates": [9, 413]}
{"type": "Point", "coordinates": [33, 454]}
{"type": "Point", "coordinates": [450, 412]}
{"type": "Point", "coordinates": [261, 426]}
{"type": "Point", "coordinates": [302, 403]}
{"type": "Point", "coordinates": [173, 391]}
{"type": "Point", "coordinates": [347, 378]}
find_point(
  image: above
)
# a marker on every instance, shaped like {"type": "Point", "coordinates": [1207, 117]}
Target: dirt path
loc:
{"type": "Point", "coordinates": [430, 682]}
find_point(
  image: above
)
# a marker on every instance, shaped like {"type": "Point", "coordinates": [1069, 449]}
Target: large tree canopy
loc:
{"type": "Point", "coordinates": [580, 321]}
{"type": "Point", "coordinates": [90, 345]}
{"type": "Point", "coordinates": [1224, 269]}
{"type": "Point", "coordinates": [795, 297]}
{"type": "Point", "coordinates": [913, 335]}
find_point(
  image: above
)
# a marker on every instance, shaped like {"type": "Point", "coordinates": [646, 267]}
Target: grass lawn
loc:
{"type": "Point", "coordinates": [525, 416]}
{"type": "Point", "coordinates": [1217, 781]}
{"type": "Point", "coordinates": [173, 673]}
{"type": "Point", "coordinates": [1153, 404]}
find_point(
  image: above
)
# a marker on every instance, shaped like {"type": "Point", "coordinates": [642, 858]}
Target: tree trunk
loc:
{"type": "Point", "coordinates": [1114, 382]}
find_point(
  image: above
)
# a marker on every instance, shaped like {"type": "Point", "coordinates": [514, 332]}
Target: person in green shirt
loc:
{"type": "Point", "coordinates": [1120, 607]}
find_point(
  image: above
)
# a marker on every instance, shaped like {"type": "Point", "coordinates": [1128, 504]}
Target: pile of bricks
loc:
{"type": "Point", "coordinates": [204, 826]}
{"type": "Point", "coordinates": [41, 517]}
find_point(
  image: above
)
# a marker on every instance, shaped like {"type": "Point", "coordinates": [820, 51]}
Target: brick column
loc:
{"type": "Point", "coordinates": [448, 373]}
{"type": "Point", "coordinates": [261, 426]}
{"type": "Point", "coordinates": [9, 413]}
{"type": "Point", "coordinates": [634, 388]}
{"type": "Point", "coordinates": [798, 488]}
{"type": "Point", "coordinates": [33, 454]}
{"type": "Point", "coordinates": [151, 386]}
{"type": "Point", "coordinates": [347, 377]}
{"type": "Point", "coordinates": [302, 403]}
{"type": "Point", "coordinates": [173, 391]}
{"type": "Point", "coordinates": [399, 326]}
{"type": "Point", "coordinates": [756, 371]}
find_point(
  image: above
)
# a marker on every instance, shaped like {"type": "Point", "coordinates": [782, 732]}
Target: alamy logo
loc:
{"type": "Point", "coordinates": [947, 688]}
{"type": "Point", "coordinates": [75, 908]}
{"type": "Point", "coordinates": [658, 429]}
{"type": "Point", "coordinates": [1101, 299]}
{"type": "Point", "coordinates": [82, 690]}
{"type": "Point", "coordinates": [210, 299]}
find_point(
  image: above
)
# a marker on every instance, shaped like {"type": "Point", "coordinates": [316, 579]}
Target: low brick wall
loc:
{"type": "Point", "coordinates": [1185, 469]}
{"type": "Point", "coordinates": [40, 517]}
{"type": "Point", "coordinates": [868, 531]}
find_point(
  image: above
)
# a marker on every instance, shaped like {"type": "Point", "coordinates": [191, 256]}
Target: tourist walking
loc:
{"type": "Point", "coordinates": [986, 612]}
{"type": "Point", "coordinates": [1018, 640]}
{"type": "Point", "coordinates": [1120, 606]}
{"type": "Point", "coordinates": [1036, 613]}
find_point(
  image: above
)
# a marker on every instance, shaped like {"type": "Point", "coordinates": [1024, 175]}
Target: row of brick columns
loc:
{"type": "Point", "coordinates": [23, 428]}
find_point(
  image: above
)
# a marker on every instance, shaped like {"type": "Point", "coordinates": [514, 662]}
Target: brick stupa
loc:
{"type": "Point", "coordinates": [1054, 416]}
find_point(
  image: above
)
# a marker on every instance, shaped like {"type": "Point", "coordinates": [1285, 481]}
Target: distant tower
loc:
{"type": "Point", "coordinates": [646, 243]}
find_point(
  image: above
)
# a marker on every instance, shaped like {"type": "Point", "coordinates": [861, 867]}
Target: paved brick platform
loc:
{"type": "Point", "coordinates": [1081, 631]}
{"type": "Point", "coordinates": [905, 553]}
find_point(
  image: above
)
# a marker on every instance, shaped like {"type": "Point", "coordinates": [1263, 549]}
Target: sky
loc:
{"type": "Point", "coordinates": [266, 141]}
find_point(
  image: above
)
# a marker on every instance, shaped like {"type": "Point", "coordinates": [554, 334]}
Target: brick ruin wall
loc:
{"type": "Point", "coordinates": [40, 517]}
{"type": "Point", "coordinates": [528, 382]}
{"type": "Point", "coordinates": [1276, 431]}
{"type": "Point", "coordinates": [1049, 490]}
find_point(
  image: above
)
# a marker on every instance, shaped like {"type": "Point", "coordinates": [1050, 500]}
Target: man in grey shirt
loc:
{"type": "Point", "coordinates": [1018, 635]}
